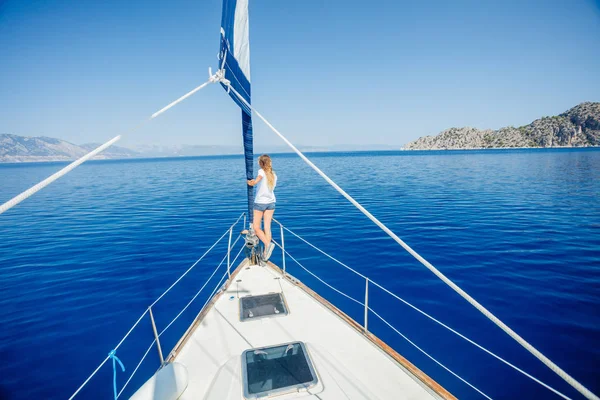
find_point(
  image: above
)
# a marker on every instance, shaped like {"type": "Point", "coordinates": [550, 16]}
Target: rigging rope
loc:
{"type": "Point", "coordinates": [555, 368]}
{"type": "Point", "coordinates": [382, 319]}
{"type": "Point", "coordinates": [32, 190]}
{"type": "Point", "coordinates": [197, 261]}
{"type": "Point", "coordinates": [108, 357]}
{"type": "Point", "coordinates": [219, 77]}
{"type": "Point", "coordinates": [115, 359]}
{"type": "Point", "coordinates": [146, 311]}
{"type": "Point", "coordinates": [137, 367]}
{"type": "Point", "coordinates": [533, 378]}
{"type": "Point", "coordinates": [199, 291]}
{"type": "Point", "coordinates": [319, 279]}
{"type": "Point", "coordinates": [430, 357]}
{"type": "Point", "coordinates": [154, 341]}
{"type": "Point", "coordinates": [19, 198]}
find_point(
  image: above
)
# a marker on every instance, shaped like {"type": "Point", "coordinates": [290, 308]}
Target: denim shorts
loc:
{"type": "Point", "coordinates": [264, 207]}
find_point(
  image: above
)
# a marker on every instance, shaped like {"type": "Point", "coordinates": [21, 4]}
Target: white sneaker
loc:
{"type": "Point", "coordinates": [269, 251]}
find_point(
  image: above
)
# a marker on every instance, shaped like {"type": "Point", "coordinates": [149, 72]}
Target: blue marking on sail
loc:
{"type": "Point", "coordinates": [234, 59]}
{"type": "Point", "coordinates": [234, 55]}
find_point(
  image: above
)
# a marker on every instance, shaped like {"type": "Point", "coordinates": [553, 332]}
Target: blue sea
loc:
{"type": "Point", "coordinates": [519, 230]}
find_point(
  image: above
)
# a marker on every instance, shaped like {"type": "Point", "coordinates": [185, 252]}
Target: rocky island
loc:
{"type": "Point", "coordinates": [577, 127]}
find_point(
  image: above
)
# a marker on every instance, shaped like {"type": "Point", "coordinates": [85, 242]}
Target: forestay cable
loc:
{"type": "Point", "coordinates": [32, 190]}
{"type": "Point", "coordinates": [555, 368]}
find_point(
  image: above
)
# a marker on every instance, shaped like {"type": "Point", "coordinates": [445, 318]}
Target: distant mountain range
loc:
{"type": "Point", "coordinates": [14, 148]}
{"type": "Point", "coordinates": [577, 127]}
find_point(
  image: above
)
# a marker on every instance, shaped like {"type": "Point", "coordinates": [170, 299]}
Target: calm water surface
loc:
{"type": "Point", "coordinates": [518, 230]}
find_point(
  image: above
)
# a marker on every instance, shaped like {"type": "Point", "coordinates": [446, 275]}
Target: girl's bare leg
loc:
{"type": "Point", "coordinates": [268, 217]}
{"type": "Point", "coordinates": [256, 225]}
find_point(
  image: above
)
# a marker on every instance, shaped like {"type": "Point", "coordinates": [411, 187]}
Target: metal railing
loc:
{"type": "Point", "coordinates": [368, 309]}
{"type": "Point", "coordinates": [148, 311]}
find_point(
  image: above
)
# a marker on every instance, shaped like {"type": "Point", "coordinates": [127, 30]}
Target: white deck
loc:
{"type": "Point", "coordinates": [348, 365]}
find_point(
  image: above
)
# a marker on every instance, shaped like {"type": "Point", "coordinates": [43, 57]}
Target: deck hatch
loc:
{"type": "Point", "coordinates": [253, 307]}
{"type": "Point", "coordinates": [275, 370]}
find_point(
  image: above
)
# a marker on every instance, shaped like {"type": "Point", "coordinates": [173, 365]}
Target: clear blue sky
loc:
{"type": "Point", "coordinates": [324, 72]}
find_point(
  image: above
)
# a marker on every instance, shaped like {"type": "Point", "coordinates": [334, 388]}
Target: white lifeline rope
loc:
{"type": "Point", "coordinates": [198, 292]}
{"type": "Point", "coordinates": [197, 261]}
{"type": "Point", "coordinates": [137, 367]}
{"type": "Point", "coordinates": [154, 341]}
{"type": "Point", "coordinates": [145, 312]}
{"type": "Point", "coordinates": [319, 279]}
{"type": "Point", "coordinates": [387, 323]}
{"type": "Point", "coordinates": [19, 198]}
{"type": "Point", "coordinates": [533, 378]}
{"type": "Point", "coordinates": [108, 357]}
{"type": "Point", "coordinates": [555, 368]}
{"type": "Point", "coordinates": [430, 357]}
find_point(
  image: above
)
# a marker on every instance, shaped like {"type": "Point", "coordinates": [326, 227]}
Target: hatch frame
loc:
{"type": "Point", "coordinates": [285, 389]}
{"type": "Point", "coordinates": [286, 309]}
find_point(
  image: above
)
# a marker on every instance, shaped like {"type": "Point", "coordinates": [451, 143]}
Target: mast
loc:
{"type": "Point", "coordinates": [234, 62]}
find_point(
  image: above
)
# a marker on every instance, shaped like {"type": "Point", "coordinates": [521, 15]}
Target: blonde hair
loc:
{"type": "Point", "coordinates": [265, 163]}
